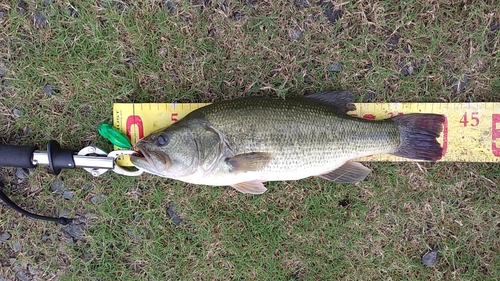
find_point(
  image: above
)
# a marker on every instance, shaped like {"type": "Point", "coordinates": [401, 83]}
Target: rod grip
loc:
{"type": "Point", "coordinates": [16, 156]}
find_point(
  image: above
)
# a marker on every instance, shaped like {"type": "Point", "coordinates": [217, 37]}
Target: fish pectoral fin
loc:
{"type": "Point", "coordinates": [250, 187]}
{"type": "Point", "coordinates": [350, 172]}
{"type": "Point", "coordinates": [342, 101]}
{"type": "Point", "coordinates": [247, 162]}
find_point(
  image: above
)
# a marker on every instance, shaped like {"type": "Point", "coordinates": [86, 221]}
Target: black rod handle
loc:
{"type": "Point", "coordinates": [16, 156]}
{"type": "Point", "coordinates": [59, 158]}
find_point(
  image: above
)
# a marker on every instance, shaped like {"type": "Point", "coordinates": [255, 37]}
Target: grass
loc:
{"type": "Point", "coordinates": [159, 51]}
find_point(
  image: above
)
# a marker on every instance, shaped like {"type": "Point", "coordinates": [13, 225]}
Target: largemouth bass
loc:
{"type": "Point", "coordinates": [248, 141]}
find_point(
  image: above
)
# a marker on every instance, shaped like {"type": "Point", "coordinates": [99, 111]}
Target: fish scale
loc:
{"type": "Point", "coordinates": [248, 141]}
{"type": "Point", "coordinates": [301, 135]}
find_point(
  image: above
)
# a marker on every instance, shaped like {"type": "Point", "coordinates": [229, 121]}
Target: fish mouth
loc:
{"type": "Point", "coordinates": [150, 160]}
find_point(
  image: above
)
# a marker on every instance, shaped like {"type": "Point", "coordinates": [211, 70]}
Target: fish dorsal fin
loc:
{"type": "Point", "coordinates": [350, 172]}
{"type": "Point", "coordinates": [247, 162]}
{"type": "Point", "coordinates": [342, 101]}
{"type": "Point", "coordinates": [250, 187]}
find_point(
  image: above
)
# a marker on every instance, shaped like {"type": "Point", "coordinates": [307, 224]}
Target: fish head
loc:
{"type": "Point", "coordinates": [170, 153]}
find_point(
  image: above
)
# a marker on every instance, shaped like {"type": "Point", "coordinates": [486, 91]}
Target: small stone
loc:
{"type": "Point", "coordinates": [494, 26]}
{"type": "Point", "coordinates": [392, 43]}
{"type": "Point", "coordinates": [406, 49]}
{"type": "Point", "coordinates": [22, 173]}
{"type": "Point", "coordinates": [237, 16]}
{"type": "Point", "coordinates": [251, 3]}
{"type": "Point", "coordinates": [222, 5]}
{"type": "Point", "coordinates": [308, 80]}
{"type": "Point", "coordinates": [23, 133]}
{"type": "Point", "coordinates": [174, 76]}
{"type": "Point", "coordinates": [68, 194]}
{"type": "Point", "coordinates": [296, 273]}
{"type": "Point", "coordinates": [88, 187]}
{"type": "Point", "coordinates": [431, 257]}
{"type": "Point", "coordinates": [331, 77]}
{"type": "Point", "coordinates": [1, 14]}
{"type": "Point", "coordinates": [212, 32]}
{"type": "Point", "coordinates": [87, 256]}
{"type": "Point", "coordinates": [295, 34]}
{"type": "Point", "coordinates": [121, 6]}
{"type": "Point", "coordinates": [171, 6]}
{"type": "Point", "coordinates": [48, 2]}
{"type": "Point", "coordinates": [2, 73]}
{"type": "Point", "coordinates": [22, 7]}
{"type": "Point", "coordinates": [5, 236]}
{"type": "Point", "coordinates": [163, 52]}
{"type": "Point", "coordinates": [64, 213]}
{"type": "Point", "coordinates": [335, 67]}
{"type": "Point", "coordinates": [135, 193]}
{"type": "Point", "coordinates": [21, 275]}
{"type": "Point", "coordinates": [98, 199]}
{"type": "Point", "coordinates": [186, 17]}
{"type": "Point", "coordinates": [133, 235]}
{"type": "Point", "coordinates": [72, 11]}
{"type": "Point", "coordinates": [17, 112]}
{"type": "Point", "coordinates": [407, 70]}
{"type": "Point", "coordinates": [369, 96]}
{"type": "Point", "coordinates": [302, 3]}
{"type": "Point", "coordinates": [48, 90]}
{"type": "Point", "coordinates": [201, 3]}
{"type": "Point", "coordinates": [57, 187]}
{"type": "Point", "coordinates": [75, 231]}
{"type": "Point", "coordinates": [16, 246]}
{"type": "Point", "coordinates": [192, 59]}
{"type": "Point", "coordinates": [460, 84]}
{"type": "Point", "coordinates": [39, 20]}
{"type": "Point", "coordinates": [331, 14]}
{"type": "Point", "coordinates": [172, 214]}
{"type": "Point", "coordinates": [32, 270]}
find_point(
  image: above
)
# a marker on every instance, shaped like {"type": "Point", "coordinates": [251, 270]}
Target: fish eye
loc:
{"type": "Point", "coordinates": [162, 140]}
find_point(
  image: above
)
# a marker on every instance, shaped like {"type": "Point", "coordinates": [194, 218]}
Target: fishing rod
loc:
{"type": "Point", "coordinates": [92, 159]}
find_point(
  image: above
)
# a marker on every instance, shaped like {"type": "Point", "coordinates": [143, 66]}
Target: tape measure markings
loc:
{"type": "Point", "coordinates": [471, 132]}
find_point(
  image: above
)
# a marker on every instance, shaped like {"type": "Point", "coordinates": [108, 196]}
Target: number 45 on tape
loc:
{"type": "Point", "coordinates": [471, 132]}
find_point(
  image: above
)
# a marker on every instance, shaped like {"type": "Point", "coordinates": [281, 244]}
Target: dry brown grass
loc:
{"type": "Point", "coordinates": [148, 51]}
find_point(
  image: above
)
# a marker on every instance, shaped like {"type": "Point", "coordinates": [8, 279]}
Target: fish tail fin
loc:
{"type": "Point", "coordinates": [418, 136]}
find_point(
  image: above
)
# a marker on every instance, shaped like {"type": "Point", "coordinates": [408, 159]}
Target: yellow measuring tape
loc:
{"type": "Point", "coordinates": [471, 132]}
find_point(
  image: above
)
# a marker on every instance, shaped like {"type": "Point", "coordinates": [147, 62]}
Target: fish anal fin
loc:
{"type": "Point", "coordinates": [250, 187]}
{"type": "Point", "coordinates": [350, 172]}
{"type": "Point", "coordinates": [247, 162]}
{"type": "Point", "coordinates": [342, 101]}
